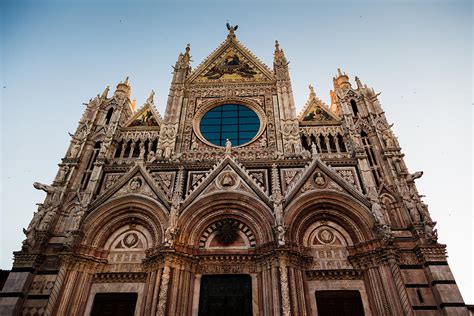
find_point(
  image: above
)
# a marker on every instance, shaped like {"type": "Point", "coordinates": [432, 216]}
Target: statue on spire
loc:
{"type": "Point", "coordinates": [231, 29]}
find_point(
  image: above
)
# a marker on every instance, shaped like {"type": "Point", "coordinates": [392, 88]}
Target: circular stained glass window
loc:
{"type": "Point", "coordinates": [235, 122]}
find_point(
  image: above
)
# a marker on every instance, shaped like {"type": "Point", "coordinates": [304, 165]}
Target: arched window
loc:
{"type": "Point", "coordinates": [355, 110]}
{"type": "Point", "coordinates": [108, 117]}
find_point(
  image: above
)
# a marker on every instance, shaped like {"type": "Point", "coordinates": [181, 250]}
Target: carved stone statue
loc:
{"type": "Point", "coordinates": [151, 156]}
{"type": "Point", "coordinates": [384, 232]}
{"type": "Point", "coordinates": [75, 149]}
{"type": "Point", "coordinates": [62, 173]}
{"type": "Point", "coordinates": [416, 175]}
{"type": "Point", "coordinates": [228, 146]}
{"type": "Point", "coordinates": [314, 150]}
{"type": "Point", "coordinates": [142, 152]}
{"type": "Point", "coordinates": [319, 179]}
{"type": "Point", "coordinates": [170, 235]}
{"type": "Point", "coordinates": [78, 214]}
{"type": "Point", "coordinates": [388, 138]}
{"type": "Point", "coordinates": [278, 214]}
{"type": "Point", "coordinates": [47, 219]}
{"type": "Point", "coordinates": [149, 100]}
{"type": "Point", "coordinates": [412, 210]}
{"type": "Point", "coordinates": [280, 231]}
{"type": "Point", "coordinates": [431, 235]}
{"type": "Point", "coordinates": [378, 213]}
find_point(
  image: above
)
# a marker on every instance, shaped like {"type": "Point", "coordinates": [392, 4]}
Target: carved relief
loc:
{"type": "Point", "coordinates": [328, 246]}
{"type": "Point", "coordinates": [349, 174]}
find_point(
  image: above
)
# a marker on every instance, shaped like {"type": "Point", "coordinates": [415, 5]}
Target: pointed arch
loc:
{"type": "Point", "coordinates": [392, 210]}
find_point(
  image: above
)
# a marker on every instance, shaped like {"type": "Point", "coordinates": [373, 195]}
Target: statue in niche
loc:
{"type": "Point", "coordinates": [378, 212]}
{"type": "Point", "coordinates": [227, 180]}
{"type": "Point", "coordinates": [412, 210]}
{"type": "Point", "coordinates": [280, 232]}
{"type": "Point", "coordinates": [141, 155]}
{"type": "Point", "coordinates": [170, 235]}
{"type": "Point", "coordinates": [151, 156]}
{"type": "Point", "coordinates": [135, 183]}
{"type": "Point", "coordinates": [78, 213]}
{"type": "Point", "coordinates": [62, 174]}
{"type": "Point", "coordinates": [314, 150]}
{"type": "Point", "coordinates": [47, 219]}
{"type": "Point", "coordinates": [388, 138]}
{"type": "Point", "coordinates": [431, 234]}
{"type": "Point", "coordinates": [319, 179]}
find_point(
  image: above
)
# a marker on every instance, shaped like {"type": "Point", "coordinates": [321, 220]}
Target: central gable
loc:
{"type": "Point", "coordinates": [231, 62]}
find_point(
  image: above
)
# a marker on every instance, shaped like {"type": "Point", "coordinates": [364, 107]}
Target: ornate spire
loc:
{"type": "Point", "coordinates": [183, 65]}
{"type": "Point", "coordinates": [279, 56]}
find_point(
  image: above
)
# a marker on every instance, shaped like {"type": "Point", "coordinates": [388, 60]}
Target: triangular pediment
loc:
{"type": "Point", "coordinates": [318, 177]}
{"type": "Point", "coordinates": [231, 62]}
{"type": "Point", "coordinates": [230, 176]}
{"type": "Point", "coordinates": [145, 118]}
{"type": "Point", "coordinates": [137, 181]}
{"type": "Point", "coordinates": [316, 111]}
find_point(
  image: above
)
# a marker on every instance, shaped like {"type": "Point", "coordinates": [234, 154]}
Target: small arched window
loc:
{"type": "Point", "coordinates": [355, 110]}
{"type": "Point", "coordinates": [108, 117]}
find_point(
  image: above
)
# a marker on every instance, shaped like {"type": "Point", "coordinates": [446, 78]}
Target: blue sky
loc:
{"type": "Point", "coordinates": [55, 55]}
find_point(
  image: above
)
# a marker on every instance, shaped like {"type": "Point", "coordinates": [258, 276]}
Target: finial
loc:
{"type": "Point", "coordinates": [339, 72]}
{"type": "Point", "coordinates": [126, 81]}
{"type": "Point", "coordinates": [134, 104]}
{"type": "Point", "coordinates": [277, 45]}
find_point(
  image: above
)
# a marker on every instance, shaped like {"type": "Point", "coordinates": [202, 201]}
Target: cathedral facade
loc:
{"type": "Point", "coordinates": [232, 204]}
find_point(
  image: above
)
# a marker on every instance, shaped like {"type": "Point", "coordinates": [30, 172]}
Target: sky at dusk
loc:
{"type": "Point", "coordinates": [56, 55]}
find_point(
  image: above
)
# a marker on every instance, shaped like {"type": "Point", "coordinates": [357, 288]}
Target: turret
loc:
{"type": "Point", "coordinates": [341, 81]}
{"type": "Point", "coordinates": [123, 89]}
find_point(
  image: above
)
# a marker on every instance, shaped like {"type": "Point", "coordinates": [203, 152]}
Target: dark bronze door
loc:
{"type": "Point", "coordinates": [225, 295]}
{"type": "Point", "coordinates": [114, 304]}
{"type": "Point", "coordinates": [340, 303]}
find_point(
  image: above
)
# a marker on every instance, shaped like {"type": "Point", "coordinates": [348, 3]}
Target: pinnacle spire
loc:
{"type": "Point", "coordinates": [104, 94]}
